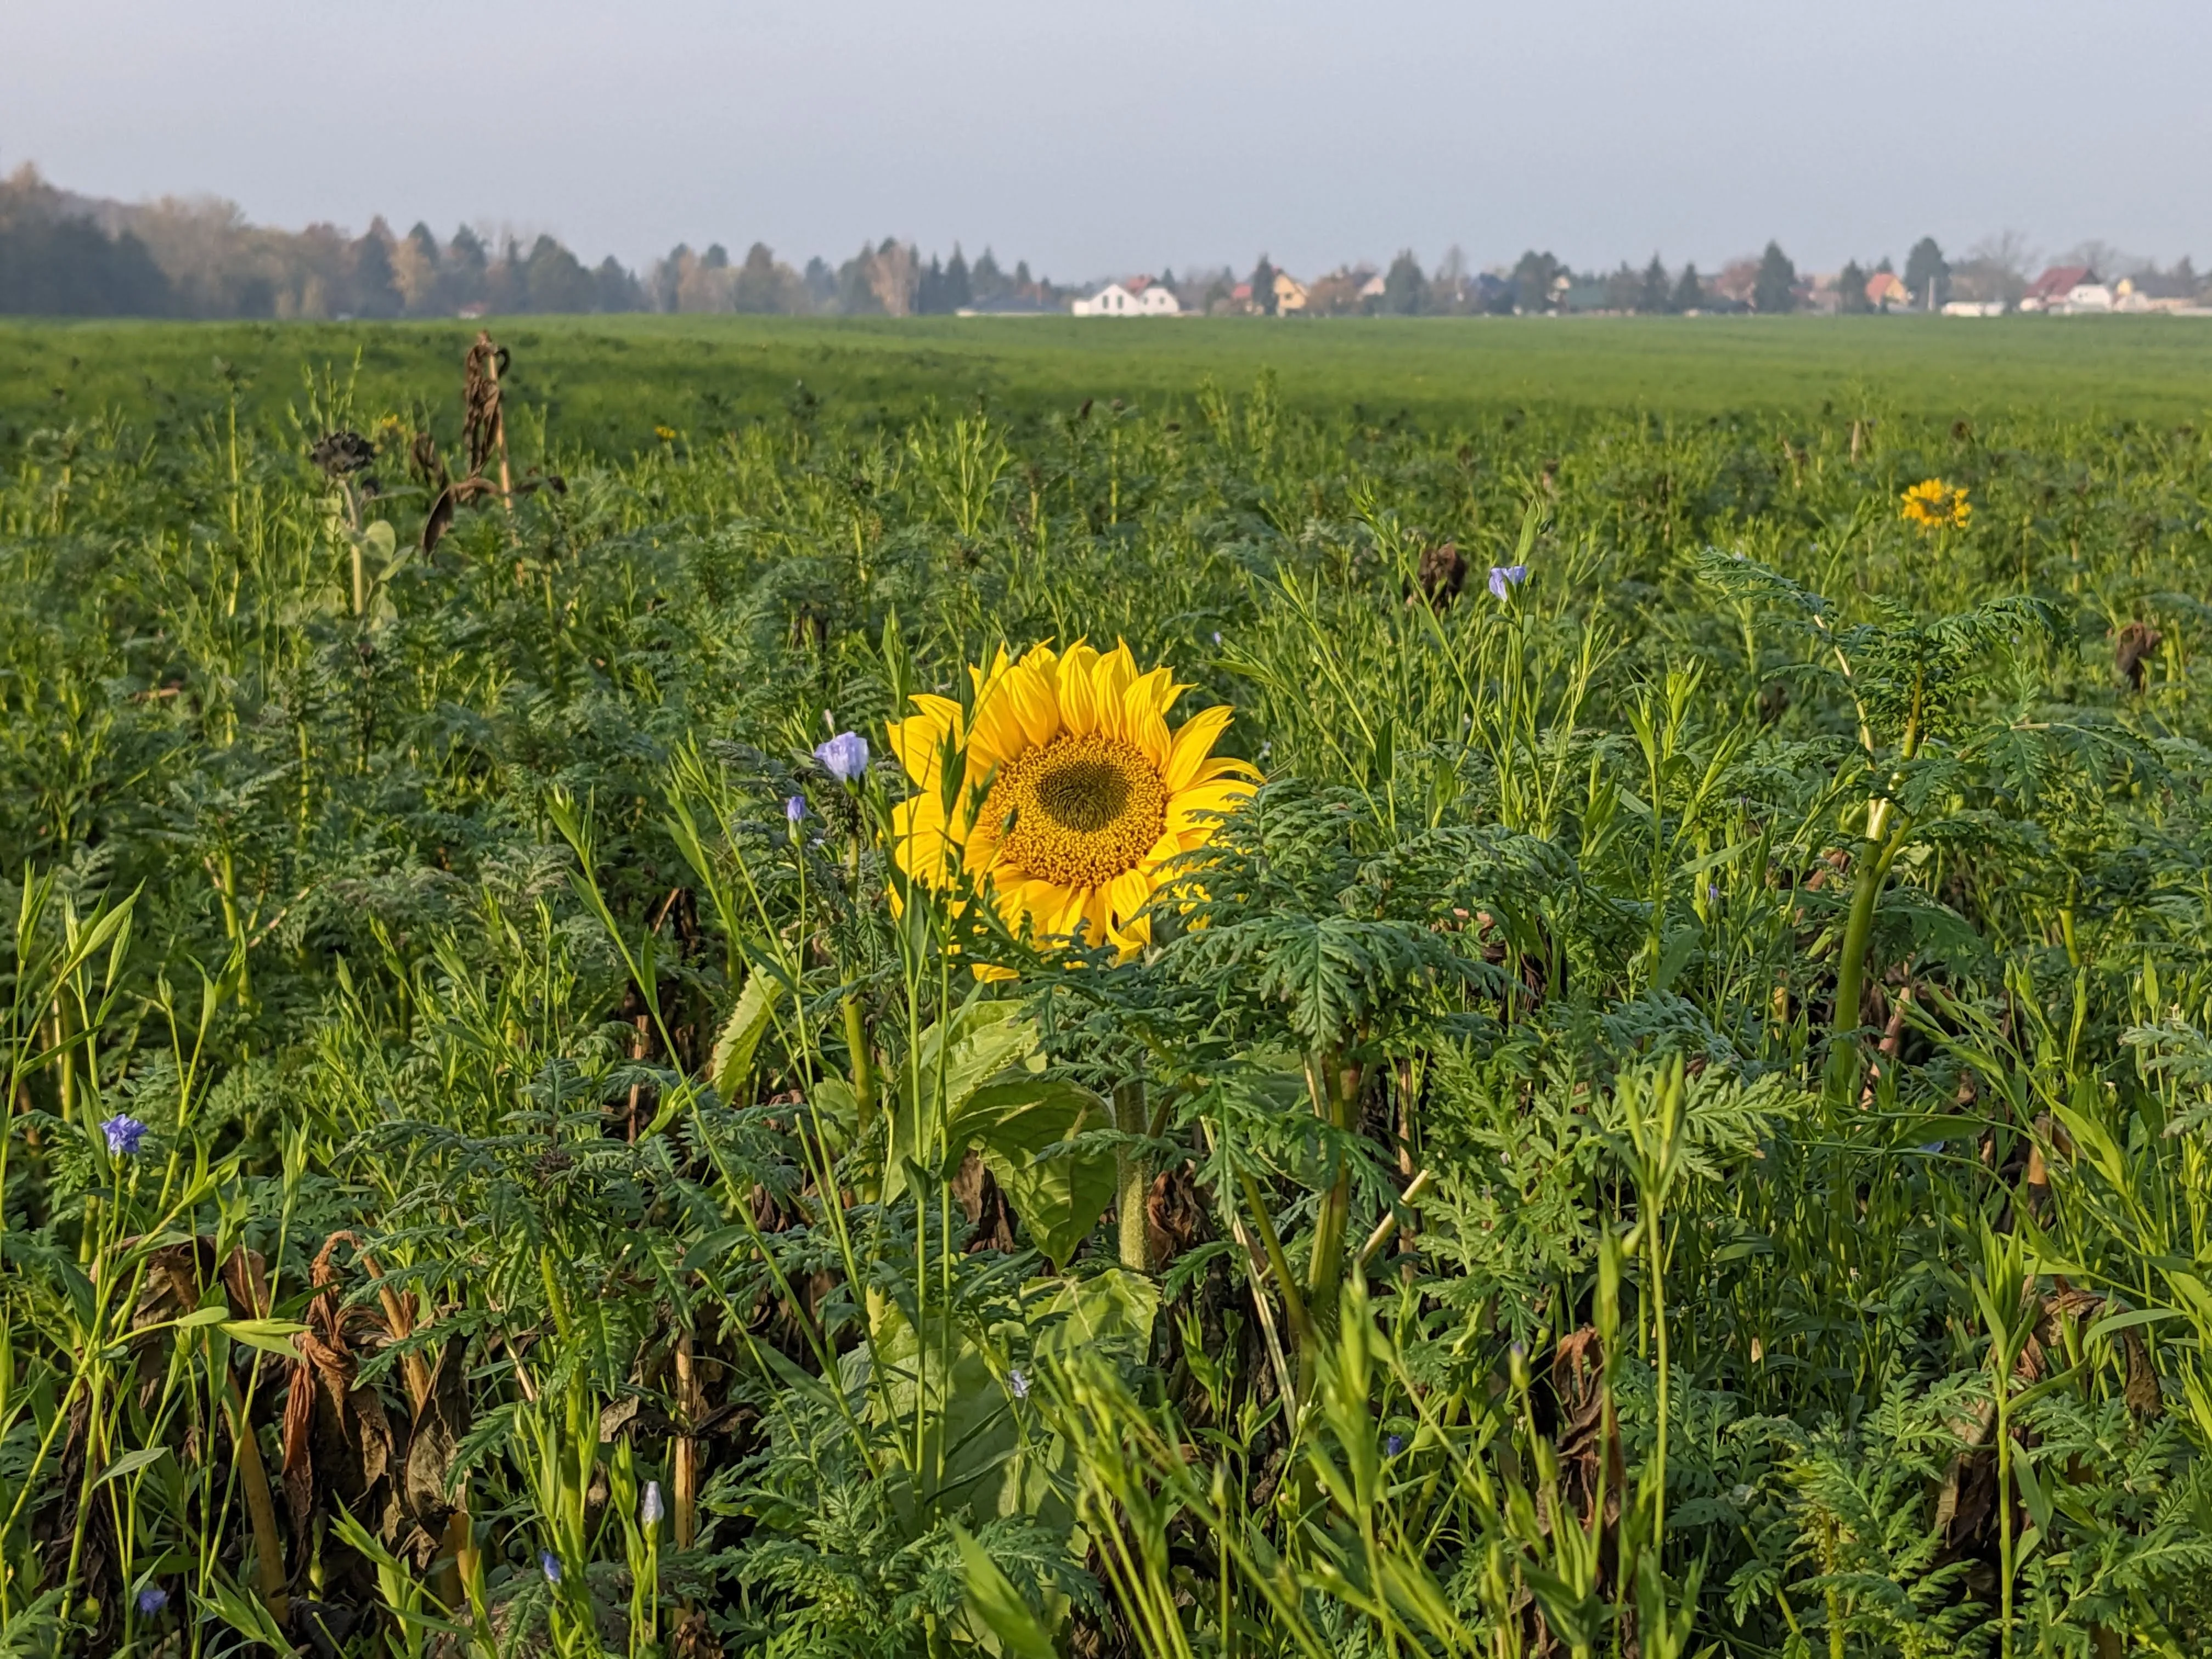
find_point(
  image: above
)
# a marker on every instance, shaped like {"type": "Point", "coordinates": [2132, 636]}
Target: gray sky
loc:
{"type": "Point", "coordinates": [1101, 138]}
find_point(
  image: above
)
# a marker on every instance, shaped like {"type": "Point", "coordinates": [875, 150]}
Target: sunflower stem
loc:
{"type": "Point", "coordinates": [1132, 1178]}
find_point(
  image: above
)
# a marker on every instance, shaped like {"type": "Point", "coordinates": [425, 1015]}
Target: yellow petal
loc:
{"type": "Point", "coordinates": [1194, 743]}
{"type": "Point", "coordinates": [1128, 891]}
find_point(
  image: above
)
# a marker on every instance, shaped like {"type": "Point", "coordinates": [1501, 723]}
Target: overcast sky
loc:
{"type": "Point", "coordinates": [1097, 139]}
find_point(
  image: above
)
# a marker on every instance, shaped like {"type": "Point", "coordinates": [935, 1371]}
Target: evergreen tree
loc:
{"type": "Point", "coordinates": [614, 288]}
{"type": "Point", "coordinates": [374, 294]}
{"type": "Point", "coordinates": [1776, 290]}
{"type": "Point", "coordinates": [1689, 291]}
{"type": "Point", "coordinates": [464, 270]}
{"type": "Point", "coordinates": [1851, 291]}
{"type": "Point", "coordinates": [821, 282]}
{"type": "Point", "coordinates": [68, 268]}
{"type": "Point", "coordinates": [716, 257]}
{"type": "Point", "coordinates": [957, 294]}
{"type": "Point", "coordinates": [1263, 287]}
{"type": "Point", "coordinates": [1023, 280]}
{"type": "Point", "coordinates": [985, 281]}
{"type": "Point", "coordinates": [1654, 300]}
{"type": "Point", "coordinates": [759, 287]}
{"type": "Point", "coordinates": [1405, 290]}
{"type": "Point", "coordinates": [1926, 273]}
{"type": "Point", "coordinates": [555, 282]}
{"type": "Point", "coordinates": [929, 289]}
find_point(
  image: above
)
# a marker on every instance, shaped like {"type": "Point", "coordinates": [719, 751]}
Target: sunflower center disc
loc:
{"type": "Point", "coordinates": [1078, 812]}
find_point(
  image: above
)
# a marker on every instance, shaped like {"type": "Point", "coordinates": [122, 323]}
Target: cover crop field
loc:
{"type": "Point", "coordinates": [1516, 989]}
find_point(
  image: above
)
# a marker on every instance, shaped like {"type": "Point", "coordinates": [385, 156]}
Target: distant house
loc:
{"type": "Point", "coordinates": [1290, 294]}
{"type": "Point", "coordinates": [2053, 290]}
{"type": "Point", "coordinates": [1140, 296]}
{"type": "Point", "coordinates": [1372, 289]}
{"type": "Point", "coordinates": [1885, 289]}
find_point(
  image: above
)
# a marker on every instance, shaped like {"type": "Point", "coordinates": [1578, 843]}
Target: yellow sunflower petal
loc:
{"type": "Point", "coordinates": [1193, 741]}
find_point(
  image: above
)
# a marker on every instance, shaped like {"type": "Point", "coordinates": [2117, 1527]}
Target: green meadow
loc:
{"type": "Point", "coordinates": [606, 381]}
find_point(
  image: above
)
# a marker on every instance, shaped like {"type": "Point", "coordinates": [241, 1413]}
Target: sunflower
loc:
{"type": "Point", "coordinates": [1933, 505]}
{"type": "Point", "coordinates": [1074, 797]}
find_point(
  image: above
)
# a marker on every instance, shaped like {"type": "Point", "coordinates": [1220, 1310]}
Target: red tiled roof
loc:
{"type": "Point", "coordinates": [2060, 280]}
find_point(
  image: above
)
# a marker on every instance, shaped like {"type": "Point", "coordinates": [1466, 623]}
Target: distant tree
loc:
{"type": "Point", "coordinates": [929, 288]}
{"type": "Point", "coordinates": [1623, 289]}
{"type": "Point", "coordinates": [1776, 290]}
{"type": "Point", "coordinates": [1654, 299]}
{"type": "Point", "coordinates": [716, 257]}
{"type": "Point", "coordinates": [613, 288]}
{"type": "Point", "coordinates": [1533, 279]}
{"type": "Point", "coordinates": [957, 295]}
{"type": "Point", "coordinates": [1263, 287]}
{"type": "Point", "coordinates": [374, 293]}
{"type": "Point", "coordinates": [1168, 278]}
{"type": "Point", "coordinates": [70, 268]}
{"type": "Point", "coordinates": [555, 282]}
{"type": "Point", "coordinates": [1405, 290]}
{"type": "Point", "coordinates": [1926, 273]}
{"type": "Point", "coordinates": [1851, 291]}
{"type": "Point", "coordinates": [821, 282]}
{"type": "Point", "coordinates": [759, 286]}
{"type": "Point", "coordinates": [1023, 281]}
{"type": "Point", "coordinates": [985, 281]}
{"type": "Point", "coordinates": [1689, 291]}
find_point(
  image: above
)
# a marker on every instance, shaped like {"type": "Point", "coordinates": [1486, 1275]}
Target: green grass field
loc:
{"type": "Point", "coordinates": [1649, 1091]}
{"type": "Point", "coordinates": [607, 381]}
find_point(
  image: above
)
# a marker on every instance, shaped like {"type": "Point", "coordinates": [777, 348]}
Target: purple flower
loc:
{"type": "Point", "coordinates": [123, 1133]}
{"type": "Point", "coordinates": [649, 1509]}
{"type": "Point", "coordinates": [1017, 1382]}
{"type": "Point", "coordinates": [152, 1600]}
{"type": "Point", "coordinates": [845, 756]}
{"type": "Point", "coordinates": [1713, 891]}
{"type": "Point", "coordinates": [794, 810]}
{"type": "Point", "coordinates": [1393, 1445]}
{"type": "Point", "coordinates": [550, 1565]}
{"type": "Point", "coordinates": [1217, 636]}
{"type": "Point", "coordinates": [1502, 576]}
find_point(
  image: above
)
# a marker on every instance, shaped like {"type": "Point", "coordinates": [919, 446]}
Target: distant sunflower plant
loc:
{"type": "Point", "coordinates": [1063, 793]}
{"type": "Point", "coordinates": [1933, 505]}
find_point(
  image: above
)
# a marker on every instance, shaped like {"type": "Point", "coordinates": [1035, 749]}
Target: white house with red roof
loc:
{"type": "Point", "coordinates": [1140, 296]}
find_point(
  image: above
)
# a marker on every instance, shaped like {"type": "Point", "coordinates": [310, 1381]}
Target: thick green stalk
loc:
{"type": "Point", "coordinates": [1132, 1179]}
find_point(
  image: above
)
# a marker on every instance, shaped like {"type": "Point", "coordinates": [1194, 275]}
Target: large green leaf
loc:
{"type": "Point", "coordinates": [1058, 1199]}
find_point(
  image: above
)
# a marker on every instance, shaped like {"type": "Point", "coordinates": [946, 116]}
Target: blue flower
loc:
{"type": "Point", "coordinates": [649, 1509]}
{"type": "Point", "coordinates": [1393, 1445]}
{"type": "Point", "coordinates": [1502, 576]}
{"type": "Point", "coordinates": [123, 1133]}
{"type": "Point", "coordinates": [152, 1600]}
{"type": "Point", "coordinates": [845, 756]}
{"type": "Point", "coordinates": [1017, 1382]}
{"type": "Point", "coordinates": [550, 1565]}
{"type": "Point", "coordinates": [794, 810]}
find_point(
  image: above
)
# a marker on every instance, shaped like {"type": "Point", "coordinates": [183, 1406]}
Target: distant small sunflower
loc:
{"type": "Point", "coordinates": [1933, 505]}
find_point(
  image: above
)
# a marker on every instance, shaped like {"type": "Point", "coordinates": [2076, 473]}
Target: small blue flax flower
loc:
{"type": "Point", "coordinates": [650, 1510]}
{"type": "Point", "coordinates": [1393, 1445]}
{"type": "Point", "coordinates": [844, 757]}
{"type": "Point", "coordinates": [151, 1601]}
{"type": "Point", "coordinates": [1017, 1382]}
{"type": "Point", "coordinates": [794, 811]}
{"type": "Point", "coordinates": [123, 1133]}
{"type": "Point", "coordinates": [550, 1565]}
{"type": "Point", "coordinates": [1502, 576]}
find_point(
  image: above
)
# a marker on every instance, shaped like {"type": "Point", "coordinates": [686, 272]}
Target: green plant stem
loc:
{"type": "Point", "coordinates": [864, 1069]}
{"type": "Point", "coordinates": [1132, 1178]}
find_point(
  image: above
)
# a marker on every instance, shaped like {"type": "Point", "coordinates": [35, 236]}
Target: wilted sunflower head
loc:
{"type": "Point", "coordinates": [1933, 505]}
{"type": "Point", "coordinates": [1074, 798]}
